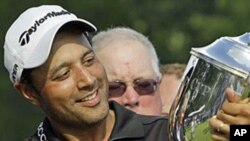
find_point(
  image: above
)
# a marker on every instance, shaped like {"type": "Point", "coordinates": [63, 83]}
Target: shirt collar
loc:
{"type": "Point", "coordinates": [127, 123]}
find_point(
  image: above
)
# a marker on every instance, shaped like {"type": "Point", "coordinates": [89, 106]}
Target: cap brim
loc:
{"type": "Point", "coordinates": [85, 25]}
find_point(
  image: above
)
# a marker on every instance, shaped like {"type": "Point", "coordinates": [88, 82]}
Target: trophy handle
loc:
{"type": "Point", "coordinates": [180, 99]}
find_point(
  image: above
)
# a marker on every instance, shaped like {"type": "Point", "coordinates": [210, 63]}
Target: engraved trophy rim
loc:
{"type": "Point", "coordinates": [229, 53]}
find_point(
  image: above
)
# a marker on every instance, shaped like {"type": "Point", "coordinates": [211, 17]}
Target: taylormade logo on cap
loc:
{"type": "Point", "coordinates": [25, 36]}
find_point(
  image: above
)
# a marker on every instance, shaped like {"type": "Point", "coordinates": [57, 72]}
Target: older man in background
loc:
{"type": "Point", "coordinates": [132, 67]}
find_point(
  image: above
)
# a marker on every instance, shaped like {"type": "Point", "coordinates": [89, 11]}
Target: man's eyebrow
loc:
{"type": "Point", "coordinates": [64, 64]}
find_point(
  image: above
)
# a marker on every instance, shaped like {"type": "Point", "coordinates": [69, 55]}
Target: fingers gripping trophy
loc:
{"type": "Point", "coordinates": [210, 70]}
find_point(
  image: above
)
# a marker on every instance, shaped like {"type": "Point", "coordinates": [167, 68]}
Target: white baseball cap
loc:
{"type": "Point", "coordinates": [29, 39]}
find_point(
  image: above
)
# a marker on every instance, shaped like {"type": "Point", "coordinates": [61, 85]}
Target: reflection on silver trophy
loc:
{"type": "Point", "coordinates": [210, 70]}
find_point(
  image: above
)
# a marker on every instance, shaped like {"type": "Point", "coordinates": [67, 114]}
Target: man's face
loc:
{"type": "Point", "coordinates": [72, 84]}
{"type": "Point", "coordinates": [127, 61]}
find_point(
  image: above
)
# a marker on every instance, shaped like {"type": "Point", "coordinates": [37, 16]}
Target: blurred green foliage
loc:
{"type": "Point", "coordinates": [173, 26]}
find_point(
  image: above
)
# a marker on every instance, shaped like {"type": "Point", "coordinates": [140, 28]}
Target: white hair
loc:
{"type": "Point", "coordinates": [103, 38]}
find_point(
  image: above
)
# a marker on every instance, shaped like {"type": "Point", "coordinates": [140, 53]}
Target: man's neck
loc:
{"type": "Point", "coordinates": [100, 132]}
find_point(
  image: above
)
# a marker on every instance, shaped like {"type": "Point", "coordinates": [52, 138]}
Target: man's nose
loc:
{"type": "Point", "coordinates": [85, 79]}
{"type": "Point", "coordinates": [131, 97]}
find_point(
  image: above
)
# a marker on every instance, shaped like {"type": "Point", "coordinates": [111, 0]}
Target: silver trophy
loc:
{"type": "Point", "coordinates": [210, 70]}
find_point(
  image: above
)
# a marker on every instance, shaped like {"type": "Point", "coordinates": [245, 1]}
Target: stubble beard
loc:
{"type": "Point", "coordinates": [82, 119]}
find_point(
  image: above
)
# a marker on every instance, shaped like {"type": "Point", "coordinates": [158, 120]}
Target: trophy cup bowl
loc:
{"type": "Point", "coordinates": [210, 70]}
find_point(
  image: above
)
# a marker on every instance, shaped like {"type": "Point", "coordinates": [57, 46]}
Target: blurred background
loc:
{"type": "Point", "coordinates": [173, 26]}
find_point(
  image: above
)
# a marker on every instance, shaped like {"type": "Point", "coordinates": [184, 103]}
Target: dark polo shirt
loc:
{"type": "Point", "coordinates": [129, 126]}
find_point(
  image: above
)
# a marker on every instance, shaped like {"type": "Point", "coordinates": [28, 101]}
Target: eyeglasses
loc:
{"type": "Point", "coordinates": [141, 86]}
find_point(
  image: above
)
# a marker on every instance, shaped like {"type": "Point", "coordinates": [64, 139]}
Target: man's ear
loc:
{"type": "Point", "coordinates": [28, 93]}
